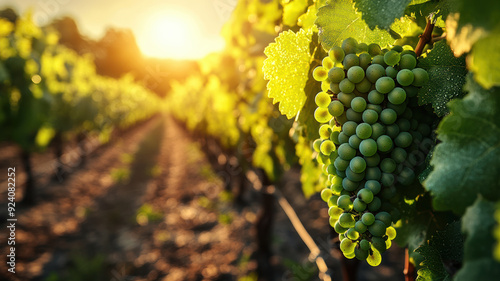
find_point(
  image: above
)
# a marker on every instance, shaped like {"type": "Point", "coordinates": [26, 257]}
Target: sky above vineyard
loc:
{"type": "Point", "coordinates": [163, 28]}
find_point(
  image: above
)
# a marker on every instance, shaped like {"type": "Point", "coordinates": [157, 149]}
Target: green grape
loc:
{"type": "Point", "coordinates": [374, 72]}
{"type": "Point", "coordinates": [343, 138]}
{"type": "Point", "coordinates": [359, 225]}
{"type": "Point", "coordinates": [364, 244]}
{"type": "Point", "coordinates": [317, 144]}
{"type": "Point", "coordinates": [364, 86]}
{"type": "Point", "coordinates": [338, 228]}
{"type": "Point", "coordinates": [354, 141]}
{"type": "Point", "coordinates": [364, 131]}
{"type": "Point", "coordinates": [397, 48]}
{"type": "Point", "coordinates": [407, 176]}
{"type": "Point", "coordinates": [384, 85]}
{"type": "Point", "coordinates": [335, 88]}
{"type": "Point", "coordinates": [372, 161]}
{"type": "Point", "coordinates": [421, 77]}
{"type": "Point", "coordinates": [404, 139]}
{"type": "Point", "coordinates": [398, 108]}
{"type": "Point", "coordinates": [387, 179]}
{"type": "Point", "coordinates": [365, 195]}
{"type": "Point", "coordinates": [325, 85]}
{"type": "Point", "coordinates": [392, 130]}
{"type": "Point", "coordinates": [332, 221]}
{"type": "Point", "coordinates": [384, 143]}
{"type": "Point", "coordinates": [347, 220]}
{"type": "Point", "coordinates": [336, 186]}
{"type": "Point", "coordinates": [373, 185]}
{"type": "Point", "coordinates": [370, 116]}
{"type": "Point", "coordinates": [335, 137]}
{"type": "Point", "coordinates": [344, 202]}
{"type": "Point", "coordinates": [375, 107]}
{"type": "Point", "coordinates": [349, 128]}
{"type": "Point", "coordinates": [379, 244]}
{"type": "Point", "coordinates": [337, 54]}
{"type": "Point", "coordinates": [417, 136]}
{"type": "Point", "coordinates": [403, 124]}
{"type": "Point", "coordinates": [350, 255]}
{"type": "Point", "coordinates": [342, 175]}
{"type": "Point", "coordinates": [330, 169]}
{"type": "Point", "coordinates": [335, 212]}
{"type": "Point", "coordinates": [350, 45]}
{"type": "Point", "coordinates": [379, 59]}
{"type": "Point", "coordinates": [405, 77]}
{"type": "Point", "coordinates": [346, 86]}
{"type": "Point", "coordinates": [353, 115]}
{"type": "Point", "coordinates": [355, 74]}
{"type": "Point", "coordinates": [368, 219]}
{"type": "Point", "coordinates": [325, 131]}
{"type": "Point", "coordinates": [320, 73]}
{"type": "Point", "coordinates": [375, 205]}
{"type": "Point", "coordinates": [388, 165]}
{"type": "Point", "coordinates": [368, 147]}
{"type": "Point", "coordinates": [411, 91]}
{"type": "Point", "coordinates": [374, 49]}
{"type": "Point", "coordinates": [336, 108]}
{"type": "Point", "coordinates": [358, 104]}
{"type": "Point", "coordinates": [350, 60]}
{"type": "Point", "coordinates": [346, 98]}
{"type": "Point", "coordinates": [326, 194]}
{"type": "Point", "coordinates": [347, 246]}
{"type": "Point", "coordinates": [397, 96]}
{"type": "Point", "coordinates": [414, 124]}
{"type": "Point", "coordinates": [354, 176]}
{"type": "Point", "coordinates": [332, 201]}
{"type": "Point", "coordinates": [349, 185]}
{"type": "Point", "coordinates": [390, 232]}
{"type": "Point", "coordinates": [408, 52]}
{"type": "Point", "coordinates": [374, 258]}
{"type": "Point", "coordinates": [373, 173]}
{"type": "Point", "coordinates": [341, 164]}
{"type": "Point", "coordinates": [392, 57]}
{"type": "Point", "coordinates": [377, 228]}
{"type": "Point", "coordinates": [364, 60]}
{"type": "Point", "coordinates": [327, 63]}
{"type": "Point", "coordinates": [384, 217]}
{"type": "Point", "coordinates": [322, 115]}
{"type": "Point", "coordinates": [352, 234]}
{"type": "Point", "coordinates": [388, 116]}
{"type": "Point", "coordinates": [378, 130]}
{"type": "Point", "coordinates": [357, 164]}
{"type": "Point", "coordinates": [375, 97]}
{"type": "Point", "coordinates": [327, 147]}
{"type": "Point", "coordinates": [362, 47]}
{"type": "Point", "coordinates": [336, 74]}
{"type": "Point", "coordinates": [424, 129]}
{"type": "Point", "coordinates": [322, 159]}
{"type": "Point", "coordinates": [391, 72]}
{"type": "Point", "coordinates": [322, 99]}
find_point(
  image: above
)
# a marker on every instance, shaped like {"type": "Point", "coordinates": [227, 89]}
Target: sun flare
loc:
{"type": "Point", "coordinates": [168, 34]}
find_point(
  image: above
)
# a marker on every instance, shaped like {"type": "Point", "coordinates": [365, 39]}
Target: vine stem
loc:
{"type": "Point", "coordinates": [409, 270]}
{"type": "Point", "coordinates": [426, 37]}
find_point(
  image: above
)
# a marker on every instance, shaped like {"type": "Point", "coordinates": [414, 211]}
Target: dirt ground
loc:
{"type": "Point", "coordinates": [148, 206]}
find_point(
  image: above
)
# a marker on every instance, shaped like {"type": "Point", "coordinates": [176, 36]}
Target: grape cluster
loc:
{"type": "Point", "coordinates": [371, 123]}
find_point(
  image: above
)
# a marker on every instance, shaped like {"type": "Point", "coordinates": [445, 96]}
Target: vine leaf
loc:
{"type": "Point", "coordinates": [484, 60]}
{"type": "Point", "coordinates": [446, 77]}
{"type": "Point", "coordinates": [466, 161]}
{"type": "Point", "coordinates": [338, 20]}
{"type": "Point", "coordinates": [381, 13]}
{"type": "Point", "coordinates": [442, 254]}
{"type": "Point", "coordinates": [471, 21]}
{"type": "Point", "coordinates": [287, 69]}
{"type": "Point", "coordinates": [478, 223]}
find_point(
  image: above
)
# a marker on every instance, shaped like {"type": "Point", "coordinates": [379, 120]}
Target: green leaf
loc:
{"type": "Point", "coordinates": [381, 13]}
{"type": "Point", "coordinates": [478, 223]}
{"type": "Point", "coordinates": [338, 20]}
{"type": "Point", "coordinates": [309, 170]}
{"type": "Point", "coordinates": [472, 21]}
{"type": "Point", "coordinates": [287, 69]}
{"type": "Point", "coordinates": [443, 254]}
{"type": "Point", "coordinates": [446, 77]}
{"type": "Point", "coordinates": [484, 60]}
{"type": "Point", "coordinates": [292, 10]}
{"type": "Point", "coordinates": [466, 161]}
